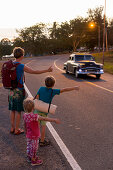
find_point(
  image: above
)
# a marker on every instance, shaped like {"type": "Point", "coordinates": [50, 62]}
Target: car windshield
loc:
{"type": "Point", "coordinates": [84, 57]}
{"type": "Point", "coordinates": [89, 57]}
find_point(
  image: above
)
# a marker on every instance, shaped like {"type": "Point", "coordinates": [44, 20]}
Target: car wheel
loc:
{"type": "Point", "coordinates": [67, 70]}
{"type": "Point", "coordinates": [98, 76]}
{"type": "Point", "coordinates": [76, 74]}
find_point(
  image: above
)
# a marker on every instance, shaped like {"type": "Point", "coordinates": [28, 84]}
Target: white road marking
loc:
{"type": "Point", "coordinates": [27, 90]}
{"type": "Point", "coordinates": [85, 80]}
{"type": "Point", "coordinates": [63, 148]}
{"type": "Point", "coordinates": [59, 141]}
{"type": "Point", "coordinates": [58, 67]}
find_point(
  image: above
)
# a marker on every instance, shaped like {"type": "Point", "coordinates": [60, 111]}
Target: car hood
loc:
{"type": "Point", "coordinates": [87, 63]}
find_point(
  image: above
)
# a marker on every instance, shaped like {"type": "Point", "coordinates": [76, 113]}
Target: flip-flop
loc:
{"type": "Point", "coordinates": [20, 131]}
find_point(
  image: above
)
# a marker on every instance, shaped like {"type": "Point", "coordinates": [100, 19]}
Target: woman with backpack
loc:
{"type": "Point", "coordinates": [17, 95]}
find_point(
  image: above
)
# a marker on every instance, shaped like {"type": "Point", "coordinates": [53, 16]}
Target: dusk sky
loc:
{"type": "Point", "coordinates": [25, 13]}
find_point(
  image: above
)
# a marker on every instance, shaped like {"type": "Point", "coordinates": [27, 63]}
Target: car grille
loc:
{"type": "Point", "coordinates": [87, 69]}
{"type": "Point", "coordinates": [92, 65]}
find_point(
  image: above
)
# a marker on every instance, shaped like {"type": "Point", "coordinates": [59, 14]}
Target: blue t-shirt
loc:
{"type": "Point", "coordinates": [45, 94]}
{"type": "Point", "coordinates": [20, 73]}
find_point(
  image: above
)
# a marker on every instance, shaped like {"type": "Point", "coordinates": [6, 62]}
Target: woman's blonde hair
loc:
{"type": "Point", "coordinates": [18, 52]}
{"type": "Point", "coordinates": [28, 105]}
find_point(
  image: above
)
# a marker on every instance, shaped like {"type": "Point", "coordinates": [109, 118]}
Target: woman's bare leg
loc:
{"type": "Point", "coordinates": [12, 119]}
{"type": "Point", "coordinates": [18, 117]}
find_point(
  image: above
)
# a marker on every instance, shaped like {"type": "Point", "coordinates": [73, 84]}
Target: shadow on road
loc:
{"type": "Point", "coordinates": [90, 78]}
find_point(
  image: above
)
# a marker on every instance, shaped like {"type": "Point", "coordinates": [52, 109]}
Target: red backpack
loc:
{"type": "Point", "coordinates": [9, 77]}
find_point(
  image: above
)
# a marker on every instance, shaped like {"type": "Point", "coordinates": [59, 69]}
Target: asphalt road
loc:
{"type": "Point", "coordinates": [86, 116]}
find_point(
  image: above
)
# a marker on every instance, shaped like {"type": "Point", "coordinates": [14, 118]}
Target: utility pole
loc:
{"type": "Point", "coordinates": [106, 40]}
{"type": "Point", "coordinates": [104, 32]}
{"type": "Point", "coordinates": [98, 38]}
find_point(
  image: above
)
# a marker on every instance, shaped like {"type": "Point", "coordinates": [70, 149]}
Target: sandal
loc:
{"type": "Point", "coordinates": [45, 143]}
{"type": "Point", "coordinates": [20, 131]}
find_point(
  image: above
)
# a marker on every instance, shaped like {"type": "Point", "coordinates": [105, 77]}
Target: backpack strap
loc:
{"type": "Point", "coordinates": [50, 101]}
{"type": "Point", "coordinates": [19, 84]}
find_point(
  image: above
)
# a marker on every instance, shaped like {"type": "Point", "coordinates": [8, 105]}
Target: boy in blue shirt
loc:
{"type": "Point", "coordinates": [46, 95]}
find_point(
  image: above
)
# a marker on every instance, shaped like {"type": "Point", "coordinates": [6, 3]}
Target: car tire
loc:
{"type": "Point", "coordinates": [67, 72]}
{"type": "Point", "coordinates": [98, 76]}
{"type": "Point", "coordinates": [76, 74]}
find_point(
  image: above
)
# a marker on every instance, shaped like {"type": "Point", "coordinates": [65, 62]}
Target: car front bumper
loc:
{"type": "Point", "coordinates": [90, 72]}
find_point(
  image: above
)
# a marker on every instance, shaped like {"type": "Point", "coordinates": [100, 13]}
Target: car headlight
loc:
{"type": "Point", "coordinates": [80, 70]}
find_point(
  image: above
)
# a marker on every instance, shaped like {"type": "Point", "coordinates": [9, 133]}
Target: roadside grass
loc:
{"type": "Point", "coordinates": [108, 60]}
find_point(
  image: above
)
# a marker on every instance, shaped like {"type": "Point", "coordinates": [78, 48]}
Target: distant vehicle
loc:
{"type": "Point", "coordinates": [82, 49]}
{"type": "Point", "coordinates": [8, 57]}
{"type": "Point", "coordinates": [83, 64]}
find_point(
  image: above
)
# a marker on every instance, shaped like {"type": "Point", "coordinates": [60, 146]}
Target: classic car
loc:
{"type": "Point", "coordinates": [80, 64]}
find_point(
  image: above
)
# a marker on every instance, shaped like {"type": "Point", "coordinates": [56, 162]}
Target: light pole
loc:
{"type": "Point", "coordinates": [104, 31]}
{"type": "Point", "coordinates": [98, 38]}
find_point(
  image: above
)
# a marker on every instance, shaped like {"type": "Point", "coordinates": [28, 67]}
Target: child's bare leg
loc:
{"type": "Point", "coordinates": [18, 117]}
{"type": "Point", "coordinates": [43, 130]}
{"type": "Point", "coordinates": [12, 119]}
{"type": "Point", "coordinates": [43, 142]}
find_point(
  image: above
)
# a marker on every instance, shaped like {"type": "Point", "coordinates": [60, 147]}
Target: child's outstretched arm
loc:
{"type": "Point", "coordinates": [57, 121]}
{"type": "Point", "coordinates": [69, 89]}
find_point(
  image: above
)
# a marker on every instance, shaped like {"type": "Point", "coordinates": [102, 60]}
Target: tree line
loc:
{"type": "Point", "coordinates": [67, 36]}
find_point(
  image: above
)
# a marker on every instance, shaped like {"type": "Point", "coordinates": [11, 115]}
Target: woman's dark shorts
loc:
{"type": "Point", "coordinates": [16, 98]}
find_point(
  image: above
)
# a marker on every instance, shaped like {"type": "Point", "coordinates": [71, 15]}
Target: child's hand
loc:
{"type": "Point", "coordinates": [50, 69]}
{"type": "Point", "coordinates": [76, 87]}
{"type": "Point", "coordinates": [57, 121]}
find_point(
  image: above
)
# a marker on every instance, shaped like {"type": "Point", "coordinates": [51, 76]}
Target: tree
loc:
{"type": "Point", "coordinates": [32, 37]}
{"type": "Point", "coordinates": [5, 47]}
{"type": "Point", "coordinates": [5, 41]}
{"type": "Point", "coordinates": [110, 33]}
{"type": "Point", "coordinates": [60, 37]}
{"type": "Point", "coordinates": [78, 31]}
{"type": "Point", "coordinates": [95, 36]}
{"type": "Point", "coordinates": [96, 15]}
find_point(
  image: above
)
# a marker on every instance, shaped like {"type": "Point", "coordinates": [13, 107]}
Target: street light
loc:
{"type": "Point", "coordinates": [92, 25]}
